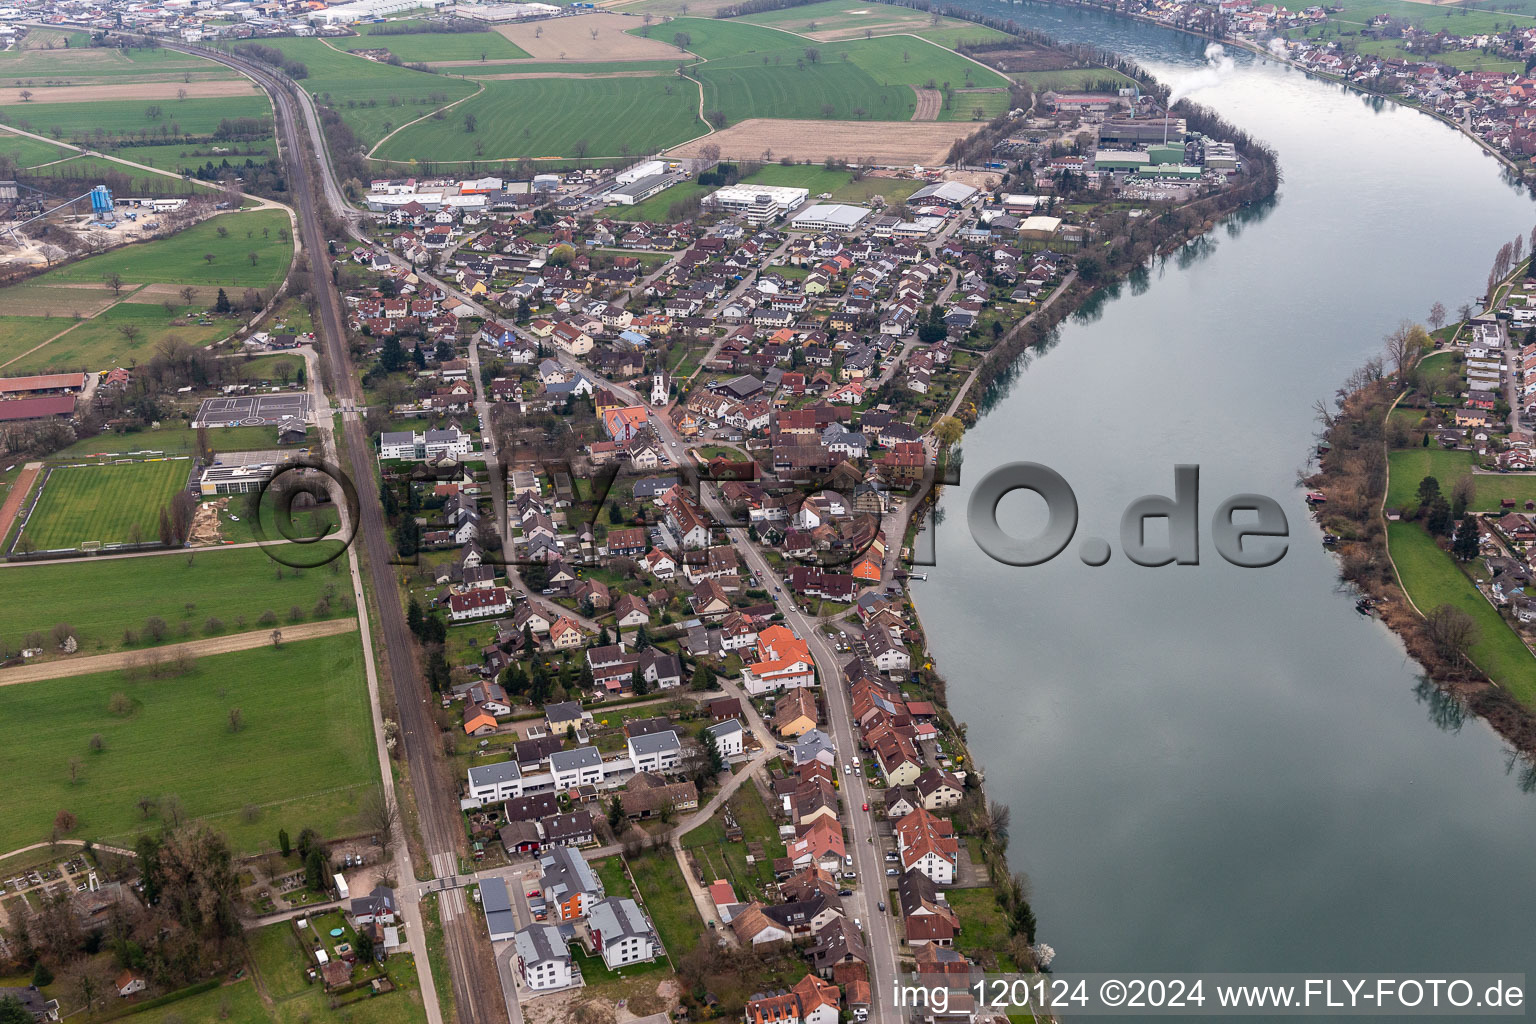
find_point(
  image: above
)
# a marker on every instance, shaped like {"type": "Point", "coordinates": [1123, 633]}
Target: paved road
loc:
{"type": "Point", "coordinates": [477, 997]}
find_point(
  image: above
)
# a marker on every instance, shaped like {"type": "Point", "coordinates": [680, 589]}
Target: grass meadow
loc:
{"type": "Point", "coordinates": [103, 503]}
{"type": "Point", "coordinates": [179, 258]}
{"type": "Point", "coordinates": [30, 152]}
{"type": "Point", "coordinates": [100, 342]}
{"type": "Point", "coordinates": [1433, 578]}
{"type": "Point", "coordinates": [103, 598]}
{"type": "Point", "coordinates": [1410, 465]}
{"type": "Point", "coordinates": [119, 119]}
{"type": "Point", "coordinates": [302, 757]}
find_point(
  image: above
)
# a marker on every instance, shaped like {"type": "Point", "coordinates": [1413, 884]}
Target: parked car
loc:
{"type": "Point", "coordinates": [891, 872]}
{"type": "Point", "coordinates": [866, 806]}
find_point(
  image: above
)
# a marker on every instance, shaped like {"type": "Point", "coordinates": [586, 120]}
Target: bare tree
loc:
{"type": "Point", "coordinates": [1405, 345]}
{"type": "Point", "coordinates": [1452, 631]}
{"type": "Point", "coordinates": [188, 295]}
{"type": "Point", "coordinates": [380, 816]}
{"type": "Point", "coordinates": [1437, 315]}
{"type": "Point", "coordinates": [115, 282]}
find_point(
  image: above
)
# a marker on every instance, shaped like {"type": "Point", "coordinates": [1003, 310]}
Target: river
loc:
{"type": "Point", "coordinates": [1209, 767]}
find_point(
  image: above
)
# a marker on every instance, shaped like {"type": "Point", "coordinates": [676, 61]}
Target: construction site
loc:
{"type": "Point", "coordinates": [39, 229]}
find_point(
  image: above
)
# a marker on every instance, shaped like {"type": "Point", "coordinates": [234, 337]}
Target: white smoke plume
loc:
{"type": "Point", "coordinates": [1217, 66]}
{"type": "Point", "coordinates": [1277, 47]}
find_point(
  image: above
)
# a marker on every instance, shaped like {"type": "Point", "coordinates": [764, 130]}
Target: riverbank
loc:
{"type": "Point", "coordinates": [1458, 652]}
{"type": "Point", "coordinates": [1265, 53]}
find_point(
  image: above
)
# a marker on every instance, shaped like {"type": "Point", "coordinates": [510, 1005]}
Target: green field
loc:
{"type": "Point", "coordinates": [30, 152]}
{"type": "Point", "coordinates": [82, 64]}
{"type": "Point", "coordinates": [179, 259]}
{"type": "Point", "coordinates": [751, 71]}
{"type": "Point", "coordinates": [303, 758]}
{"type": "Point", "coordinates": [571, 67]}
{"type": "Point", "coordinates": [100, 344]}
{"type": "Point", "coordinates": [665, 894]}
{"type": "Point", "coordinates": [555, 116]}
{"type": "Point", "coordinates": [426, 47]}
{"type": "Point", "coordinates": [20, 333]}
{"type": "Point", "coordinates": [1410, 465]}
{"type": "Point", "coordinates": [1070, 78]}
{"type": "Point", "coordinates": [94, 167]}
{"type": "Point", "coordinates": [373, 98]}
{"type": "Point", "coordinates": [172, 441]}
{"type": "Point", "coordinates": [103, 598]}
{"type": "Point", "coordinates": [119, 119]}
{"type": "Point", "coordinates": [1432, 578]}
{"type": "Point", "coordinates": [103, 503]}
{"type": "Point", "coordinates": [183, 157]}
{"type": "Point", "coordinates": [655, 208]}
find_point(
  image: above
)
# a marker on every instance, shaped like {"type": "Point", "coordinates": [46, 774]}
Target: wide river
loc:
{"type": "Point", "coordinates": [1210, 767]}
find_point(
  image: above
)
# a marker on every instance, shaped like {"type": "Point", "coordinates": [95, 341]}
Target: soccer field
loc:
{"type": "Point", "coordinates": [110, 504]}
{"type": "Point", "coordinates": [303, 756]}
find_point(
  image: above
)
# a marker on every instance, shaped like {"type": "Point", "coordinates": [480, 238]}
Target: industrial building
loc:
{"type": "Point", "coordinates": [1181, 172]}
{"type": "Point", "coordinates": [639, 190]}
{"type": "Point", "coordinates": [362, 10]}
{"type": "Point", "coordinates": [837, 217]}
{"type": "Point", "coordinates": [1122, 159]}
{"type": "Point", "coordinates": [1142, 132]}
{"type": "Point", "coordinates": [759, 204]}
{"type": "Point", "coordinates": [1220, 156]}
{"type": "Point", "coordinates": [947, 193]}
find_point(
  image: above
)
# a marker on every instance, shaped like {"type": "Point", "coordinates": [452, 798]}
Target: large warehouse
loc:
{"type": "Point", "coordinates": [838, 217]}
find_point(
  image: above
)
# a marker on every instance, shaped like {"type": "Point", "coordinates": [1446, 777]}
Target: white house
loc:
{"type": "Point", "coordinates": [492, 783]}
{"type": "Point", "coordinates": [582, 766]}
{"type": "Point", "coordinates": [729, 738]}
{"type": "Point", "coordinates": [541, 958]}
{"type": "Point", "coordinates": [417, 446]}
{"type": "Point", "coordinates": [619, 931]}
{"type": "Point", "coordinates": [655, 752]}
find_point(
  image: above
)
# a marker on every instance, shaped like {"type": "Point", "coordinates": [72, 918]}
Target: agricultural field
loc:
{"type": "Point", "coordinates": [752, 71]}
{"type": "Point", "coordinates": [179, 157]}
{"type": "Point", "coordinates": [82, 64]}
{"type": "Point", "coordinates": [19, 334]}
{"type": "Point", "coordinates": [93, 168]}
{"type": "Point", "coordinates": [596, 117]}
{"type": "Point", "coordinates": [303, 755]}
{"type": "Point", "coordinates": [27, 152]}
{"type": "Point", "coordinates": [372, 98]}
{"type": "Point", "coordinates": [911, 142]}
{"type": "Point", "coordinates": [234, 586]}
{"type": "Point", "coordinates": [126, 333]}
{"type": "Point", "coordinates": [599, 36]}
{"type": "Point", "coordinates": [134, 119]}
{"type": "Point", "coordinates": [504, 69]}
{"type": "Point", "coordinates": [431, 47]}
{"type": "Point", "coordinates": [34, 300]}
{"type": "Point", "coordinates": [180, 258]}
{"type": "Point", "coordinates": [1432, 578]}
{"type": "Point", "coordinates": [110, 504]}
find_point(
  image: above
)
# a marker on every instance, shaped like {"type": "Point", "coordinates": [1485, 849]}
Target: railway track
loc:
{"type": "Point", "coordinates": [476, 990]}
